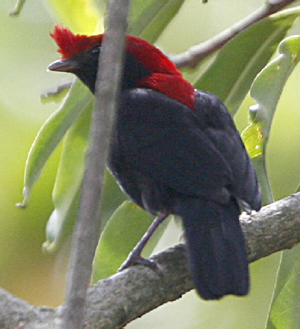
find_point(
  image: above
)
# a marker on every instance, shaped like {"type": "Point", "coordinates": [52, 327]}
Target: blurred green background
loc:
{"type": "Point", "coordinates": [25, 52]}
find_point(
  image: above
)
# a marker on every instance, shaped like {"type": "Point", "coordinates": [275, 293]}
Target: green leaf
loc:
{"type": "Point", "coordinates": [148, 18]}
{"type": "Point", "coordinates": [255, 145]}
{"type": "Point", "coordinates": [253, 140]}
{"type": "Point", "coordinates": [51, 134]}
{"type": "Point", "coordinates": [68, 180]}
{"type": "Point", "coordinates": [285, 310]}
{"type": "Point", "coordinates": [80, 16]}
{"type": "Point", "coordinates": [121, 234]}
{"type": "Point", "coordinates": [269, 83]}
{"type": "Point", "coordinates": [266, 91]}
{"type": "Point", "coordinates": [240, 60]}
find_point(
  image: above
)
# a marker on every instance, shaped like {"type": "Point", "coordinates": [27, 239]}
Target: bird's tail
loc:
{"type": "Point", "coordinates": [216, 248]}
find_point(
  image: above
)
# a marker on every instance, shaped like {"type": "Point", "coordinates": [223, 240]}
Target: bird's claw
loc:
{"type": "Point", "coordinates": [130, 261]}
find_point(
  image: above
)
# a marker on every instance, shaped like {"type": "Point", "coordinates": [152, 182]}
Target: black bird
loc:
{"type": "Point", "coordinates": [176, 151]}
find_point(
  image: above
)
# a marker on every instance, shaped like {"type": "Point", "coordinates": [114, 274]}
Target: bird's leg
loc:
{"type": "Point", "coordinates": [135, 256]}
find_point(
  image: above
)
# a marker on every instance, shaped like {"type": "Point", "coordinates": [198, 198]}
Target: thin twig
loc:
{"type": "Point", "coordinates": [86, 233]}
{"type": "Point", "coordinates": [195, 54]}
{"type": "Point", "coordinates": [18, 7]}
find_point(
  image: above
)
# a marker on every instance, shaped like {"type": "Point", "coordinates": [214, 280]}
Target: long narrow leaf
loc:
{"type": "Point", "coordinates": [51, 134]}
{"type": "Point", "coordinates": [68, 179]}
{"type": "Point", "coordinates": [285, 309]}
{"type": "Point", "coordinates": [148, 18]}
{"type": "Point", "coordinates": [266, 91]}
{"type": "Point", "coordinates": [284, 312]}
{"type": "Point", "coordinates": [240, 60]}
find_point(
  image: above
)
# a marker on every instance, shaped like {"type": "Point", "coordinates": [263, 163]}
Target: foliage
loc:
{"type": "Point", "coordinates": [238, 68]}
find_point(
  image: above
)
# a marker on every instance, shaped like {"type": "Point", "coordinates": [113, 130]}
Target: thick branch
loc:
{"type": "Point", "coordinates": [16, 313]}
{"type": "Point", "coordinates": [195, 54]}
{"type": "Point", "coordinates": [138, 290]}
{"type": "Point", "coordinates": [113, 302]}
{"type": "Point", "coordinates": [275, 227]}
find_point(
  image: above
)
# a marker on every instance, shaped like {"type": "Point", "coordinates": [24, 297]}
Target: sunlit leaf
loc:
{"type": "Point", "coordinates": [240, 60]}
{"type": "Point", "coordinates": [81, 16]}
{"type": "Point", "coordinates": [266, 91]}
{"type": "Point", "coordinates": [255, 145]}
{"type": "Point", "coordinates": [268, 85]}
{"type": "Point", "coordinates": [253, 141]}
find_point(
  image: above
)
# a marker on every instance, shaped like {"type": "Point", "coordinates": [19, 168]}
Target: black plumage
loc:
{"type": "Point", "coordinates": [175, 150]}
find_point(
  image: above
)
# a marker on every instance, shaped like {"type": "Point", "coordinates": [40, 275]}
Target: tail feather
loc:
{"type": "Point", "coordinates": [217, 251]}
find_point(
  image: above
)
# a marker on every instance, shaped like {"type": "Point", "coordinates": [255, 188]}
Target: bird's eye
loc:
{"type": "Point", "coordinates": [96, 50]}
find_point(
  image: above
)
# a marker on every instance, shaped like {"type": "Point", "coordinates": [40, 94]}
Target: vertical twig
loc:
{"type": "Point", "coordinates": [86, 232]}
{"type": "Point", "coordinates": [18, 7]}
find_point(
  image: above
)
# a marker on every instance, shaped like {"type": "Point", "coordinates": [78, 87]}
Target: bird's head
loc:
{"type": "Point", "coordinates": [145, 66]}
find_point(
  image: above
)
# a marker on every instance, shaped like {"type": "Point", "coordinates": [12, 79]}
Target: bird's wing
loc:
{"type": "Point", "coordinates": [223, 134]}
{"type": "Point", "coordinates": [164, 139]}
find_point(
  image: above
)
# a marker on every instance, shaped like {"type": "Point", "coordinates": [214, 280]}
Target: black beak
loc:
{"type": "Point", "coordinates": [64, 65]}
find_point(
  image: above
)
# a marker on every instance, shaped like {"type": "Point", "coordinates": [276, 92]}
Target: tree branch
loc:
{"type": "Point", "coordinates": [138, 290]}
{"type": "Point", "coordinates": [195, 54]}
{"type": "Point", "coordinates": [115, 301]}
{"type": "Point", "coordinates": [125, 296]}
{"type": "Point", "coordinates": [87, 228]}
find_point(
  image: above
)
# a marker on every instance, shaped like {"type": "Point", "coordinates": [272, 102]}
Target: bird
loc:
{"type": "Point", "coordinates": [176, 150]}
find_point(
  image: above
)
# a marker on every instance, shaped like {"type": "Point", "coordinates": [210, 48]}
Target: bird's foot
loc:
{"type": "Point", "coordinates": [135, 257]}
{"type": "Point", "coordinates": [137, 260]}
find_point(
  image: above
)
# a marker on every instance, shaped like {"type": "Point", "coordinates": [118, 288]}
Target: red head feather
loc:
{"type": "Point", "coordinates": [165, 77]}
{"type": "Point", "coordinates": [73, 44]}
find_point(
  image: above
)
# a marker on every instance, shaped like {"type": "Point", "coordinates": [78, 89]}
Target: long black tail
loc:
{"type": "Point", "coordinates": [216, 246]}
